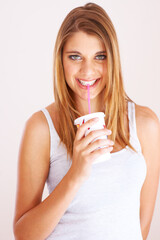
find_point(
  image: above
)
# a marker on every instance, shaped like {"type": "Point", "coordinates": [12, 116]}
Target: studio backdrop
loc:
{"type": "Point", "coordinates": [28, 31]}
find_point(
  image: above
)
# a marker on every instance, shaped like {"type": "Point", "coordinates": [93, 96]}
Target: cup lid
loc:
{"type": "Point", "coordinates": [88, 117]}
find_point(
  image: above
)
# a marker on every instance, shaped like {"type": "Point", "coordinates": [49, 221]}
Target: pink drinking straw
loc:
{"type": "Point", "coordinates": [89, 105]}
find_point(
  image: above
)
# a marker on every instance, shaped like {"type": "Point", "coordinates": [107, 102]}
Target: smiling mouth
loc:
{"type": "Point", "coordinates": [85, 83]}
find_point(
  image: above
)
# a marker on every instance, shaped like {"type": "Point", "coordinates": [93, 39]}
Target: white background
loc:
{"type": "Point", "coordinates": [28, 31]}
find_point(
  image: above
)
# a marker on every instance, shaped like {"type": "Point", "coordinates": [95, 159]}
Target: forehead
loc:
{"type": "Point", "coordinates": [81, 41]}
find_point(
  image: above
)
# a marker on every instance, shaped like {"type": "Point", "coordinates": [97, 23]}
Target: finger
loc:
{"type": "Point", "coordinates": [98, 144]}
{"type": "Point", "coordinates": [95, 134]}
{"type": "Point", "coordinates": [99, 152]}
{"type": "Point", "coordinates": [84, 127]}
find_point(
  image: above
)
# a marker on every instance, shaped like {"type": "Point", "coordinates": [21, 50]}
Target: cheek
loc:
{"type": "Point", "coordinates": [101, 68]}
{"type": "Point", "coordinates": [104, 67]}
{"type": "Point", "coordinates": [104, 70]}
{"type": "Point", "coordinates": [70, 69]}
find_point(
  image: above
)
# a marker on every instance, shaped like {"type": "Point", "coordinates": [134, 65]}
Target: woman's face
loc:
{"type": "Point", "coordinates": [85, 62]}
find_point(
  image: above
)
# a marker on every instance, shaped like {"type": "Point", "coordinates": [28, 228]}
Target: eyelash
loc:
{"type": "Point", "coordinates": [103, 57]}
{"type": "Point", "coordinates": [72, 57]}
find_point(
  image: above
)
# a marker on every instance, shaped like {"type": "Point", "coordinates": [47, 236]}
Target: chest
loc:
{"type": "Point", "coordinates": [116, 181]}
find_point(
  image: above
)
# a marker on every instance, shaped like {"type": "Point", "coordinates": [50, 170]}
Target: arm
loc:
{"type": "Point", "coordinates": [35, 219]}
{"type": "Point", "coordinates": [149, 129]}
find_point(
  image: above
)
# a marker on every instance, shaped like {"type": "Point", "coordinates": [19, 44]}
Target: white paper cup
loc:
{"type": "Point", "coordinates": [98, 125]}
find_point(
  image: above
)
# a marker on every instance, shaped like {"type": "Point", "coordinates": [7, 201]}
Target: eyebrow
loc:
{"type": "Point", "coordinates": [100, 52]}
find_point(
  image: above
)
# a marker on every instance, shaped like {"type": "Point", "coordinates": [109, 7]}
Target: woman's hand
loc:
{"type": "Point", "coordinates": [84, 152]}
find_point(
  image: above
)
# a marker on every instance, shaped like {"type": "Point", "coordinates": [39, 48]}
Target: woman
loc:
{"type": "Point", "coordinates": [114, 199]}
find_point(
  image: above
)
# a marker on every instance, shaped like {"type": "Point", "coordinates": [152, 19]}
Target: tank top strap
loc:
{"type": "Point", "coordinates": [133, 128]}
{"type": "Point", "coordinates": [51, 128]}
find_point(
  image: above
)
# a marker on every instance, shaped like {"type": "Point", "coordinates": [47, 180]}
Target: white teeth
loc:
{"type": "Point", "coordinates": [85, 83]}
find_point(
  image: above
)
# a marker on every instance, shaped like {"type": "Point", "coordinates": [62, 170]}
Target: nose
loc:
{"type": "Point", "coordinates": [87, 69]}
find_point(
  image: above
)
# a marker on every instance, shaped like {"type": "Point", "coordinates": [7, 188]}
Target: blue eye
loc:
{"type": "Point", "coordinates": [101, 57]}
{"type": "Point", "coordinates": [75, 57]}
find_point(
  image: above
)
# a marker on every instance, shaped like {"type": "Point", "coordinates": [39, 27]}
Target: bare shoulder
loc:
{"type": "Point", "coordinates": [148, 124]}
{"type": "Point", "coordinates": [37, 122]}
{"type": "Point", "coordinates": [36, 128]}
{"type": "Point", "coordinates": [146, 117]}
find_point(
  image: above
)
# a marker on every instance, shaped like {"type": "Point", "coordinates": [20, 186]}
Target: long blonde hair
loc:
{"type": "Point", "coordinates": [91, 19]}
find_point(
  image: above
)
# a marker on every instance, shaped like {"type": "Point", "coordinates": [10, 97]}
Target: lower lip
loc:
{"type": "Point", "coordinates": [85, 87]}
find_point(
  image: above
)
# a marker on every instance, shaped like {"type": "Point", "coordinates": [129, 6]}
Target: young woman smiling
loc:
{"type": "Point", "coordinates": [110, 200]}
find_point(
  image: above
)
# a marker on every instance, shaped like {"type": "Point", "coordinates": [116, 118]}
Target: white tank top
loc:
{"type": "Point", "coordinates": [107, 205]}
